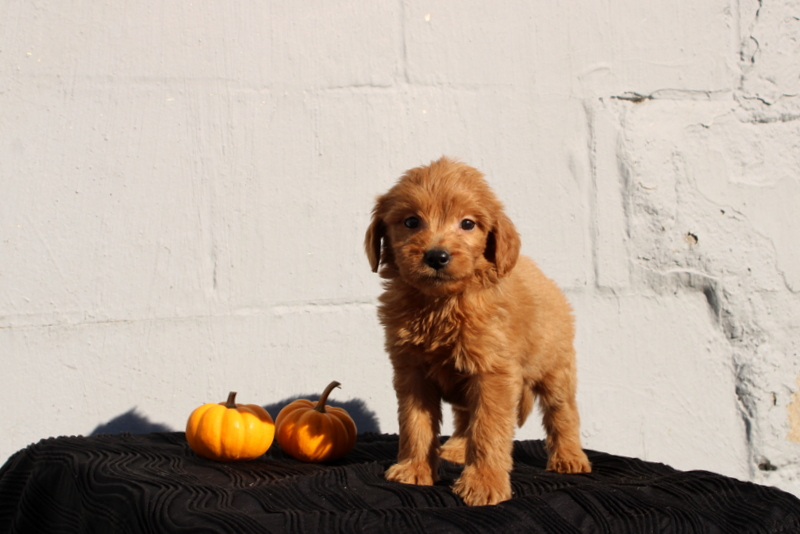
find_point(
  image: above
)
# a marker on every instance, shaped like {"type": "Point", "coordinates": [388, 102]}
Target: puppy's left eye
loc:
{"type": "Point", "coordinates": [467, 224]}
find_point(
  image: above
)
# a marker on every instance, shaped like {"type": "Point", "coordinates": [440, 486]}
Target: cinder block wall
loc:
{"type": "Point", "coordinates": [185, 188]}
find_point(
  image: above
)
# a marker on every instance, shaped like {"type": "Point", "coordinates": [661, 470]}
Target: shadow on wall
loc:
{"type": "Point", "coordinates": [135, 423]}
{"type": "Point", "coordinates": [131, 422]}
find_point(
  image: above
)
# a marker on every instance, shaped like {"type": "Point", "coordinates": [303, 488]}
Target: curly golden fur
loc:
{"type": "Point", "coordinates": [469, 321]}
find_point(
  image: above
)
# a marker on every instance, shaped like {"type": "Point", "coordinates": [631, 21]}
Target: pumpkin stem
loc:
{"type": "Point", "coordinates": [231, 402]}
{"type": "Point", "coordinates": [320, 407]}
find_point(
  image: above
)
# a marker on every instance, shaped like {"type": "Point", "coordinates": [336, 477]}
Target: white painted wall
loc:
{"type": "Point", "coordinates": [185, 188]}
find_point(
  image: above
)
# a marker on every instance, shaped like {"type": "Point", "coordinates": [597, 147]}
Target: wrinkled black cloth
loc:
{"type": "Point", "coordinates": [155, 483]}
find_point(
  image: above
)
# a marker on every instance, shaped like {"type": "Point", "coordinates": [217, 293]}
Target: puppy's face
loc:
{"type": "Point", "coordinates": [437, 239]}
{"type": "Point", "coordinates": [439, 227]}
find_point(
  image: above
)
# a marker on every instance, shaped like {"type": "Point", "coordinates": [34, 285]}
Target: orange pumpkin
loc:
{"type": "Point", "coordinates": [312, 432]}
{"type": "Point", "coordinates": [230, 432]}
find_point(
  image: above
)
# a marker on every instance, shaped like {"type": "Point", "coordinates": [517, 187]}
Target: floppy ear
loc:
{"type": "Point", "coordinates": [372, 241]}
{"type": "Point", "coordinates": [502, 245]}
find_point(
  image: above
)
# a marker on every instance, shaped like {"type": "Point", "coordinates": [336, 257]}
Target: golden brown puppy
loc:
{"type": "Point", "coordinates": [470, 321]}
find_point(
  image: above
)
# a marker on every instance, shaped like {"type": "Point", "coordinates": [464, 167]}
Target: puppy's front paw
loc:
{"type": "Point", "coordinates": [408, 472]}
{"type": "Point", "coordinates": [454, 450]}
{"type": "Point", "coordinates": [482, 487]}
{"type": "Point", "coordinates": [573, 462]}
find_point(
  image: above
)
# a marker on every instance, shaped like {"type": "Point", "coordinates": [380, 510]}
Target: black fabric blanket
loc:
{"type": "Point", "coordinates": [155, 483]}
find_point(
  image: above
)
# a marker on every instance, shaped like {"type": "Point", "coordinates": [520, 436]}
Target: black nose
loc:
{"type": "Point", "coordinates": [437, 258]}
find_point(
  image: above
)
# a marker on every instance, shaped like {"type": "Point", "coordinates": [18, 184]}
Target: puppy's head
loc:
{"type": "Point", "coordinates": [439, 228]}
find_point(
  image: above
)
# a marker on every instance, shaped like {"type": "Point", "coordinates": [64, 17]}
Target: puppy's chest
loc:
{"type": "Point", "coordinates": [441, 337]}
{"type": "Point", "coordinates": [435, 329]}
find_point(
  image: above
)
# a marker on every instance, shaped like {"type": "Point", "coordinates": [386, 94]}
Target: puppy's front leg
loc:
{"type": "Point", "coordinates": [420, 415]}
{"type": "Point", "coordinates": [486, 476]}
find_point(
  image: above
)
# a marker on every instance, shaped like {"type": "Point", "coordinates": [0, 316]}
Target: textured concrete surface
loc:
{"type": "Point", "coordinates": [185, 189]}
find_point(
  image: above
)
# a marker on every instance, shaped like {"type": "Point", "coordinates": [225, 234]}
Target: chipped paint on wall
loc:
{"type": "Point", "coordinates": [794, 415]}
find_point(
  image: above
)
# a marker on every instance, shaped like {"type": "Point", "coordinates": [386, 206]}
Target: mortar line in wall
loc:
{"type": "Point", "coordinates": [592, 200]}
{"type": "Point", "coordinates": [403, 41]}
{"type": "Point", "coordinates": [668, 93]}
{"type": "Point", "coordinates": [278, 310]}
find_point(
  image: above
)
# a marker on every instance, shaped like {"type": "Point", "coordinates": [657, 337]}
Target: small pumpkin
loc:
{"type": "Point", "coordinates": [230, 432]}
{"type": "Point", "coordinates": [312, 432]}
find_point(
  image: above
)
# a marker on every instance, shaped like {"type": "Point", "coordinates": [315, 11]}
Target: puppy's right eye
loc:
{"type": "Point", "coordinates": [411, 222]}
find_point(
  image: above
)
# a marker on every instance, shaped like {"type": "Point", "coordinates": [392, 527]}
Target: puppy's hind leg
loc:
{"type": "Point", "coordinates": [562, 424]}
{"type": "Point", "coordinates": [455, 449]}
{"type": "Point", "coordinates": [525, 405]}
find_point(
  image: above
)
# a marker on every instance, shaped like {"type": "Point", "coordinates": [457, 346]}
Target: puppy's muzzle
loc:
{"type": "Point", "coordinates": [436, 258]}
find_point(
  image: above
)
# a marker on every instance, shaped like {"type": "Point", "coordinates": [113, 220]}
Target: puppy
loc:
{"type": "Point", "coordinates": [469, 321]}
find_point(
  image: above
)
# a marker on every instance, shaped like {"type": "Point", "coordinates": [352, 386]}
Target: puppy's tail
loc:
{"type": "Point", "coordinates": [525, 405]}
